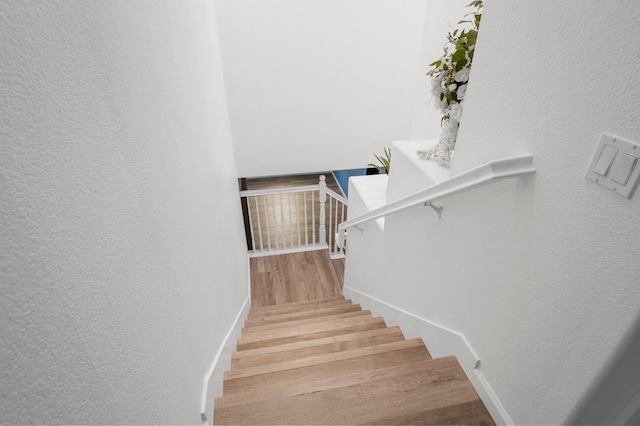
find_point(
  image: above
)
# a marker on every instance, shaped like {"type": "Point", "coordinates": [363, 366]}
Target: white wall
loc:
{"type": "Point", "coordinates": [540, 274]}
{"type": "Point", "coordinates": [318, 84]}
{"type": "Point", "coordinates": [122, 262]}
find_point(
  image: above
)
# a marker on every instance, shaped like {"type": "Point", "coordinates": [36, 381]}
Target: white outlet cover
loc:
{"type": "Point", "coordinates": [611, 167]}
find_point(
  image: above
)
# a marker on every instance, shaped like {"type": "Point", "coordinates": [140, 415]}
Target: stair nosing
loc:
{"type": "Point", "coordinates": [276, 319]}
{"type": "Point", "coordinates": [431, 392]}
{"type": "Point", "coordinates": [288, 390]}
{"type": "Point", "coordinates": [324, 370]}
{"type": "Point", "coordinates": [314, 342]}
{"type": "Point", "coordinates": [303, 321]}
{"type": "Point", "coordinates": [283, 310]}
{"type": "Point", "coordinates": [325, 359]}
{"type": "Point", "coordinates": [317, 350]}
{"type": "Point", "coordinates": [299, 330]}
{"type": "Point", "coordinates": [300, 303]}
{"type": "Point", "coordinates": [375, 323]}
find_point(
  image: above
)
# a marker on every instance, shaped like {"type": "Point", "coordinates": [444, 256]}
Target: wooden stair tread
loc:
{"type": "Point", "coordinates": [313, 342]}
{"type": "Point", "coordinates": [439, 394]}
{"type": "Point", "coordinates": [295, 309]}
{"type": "Point", "coordinates": [324, 384]}
{"type": "Point", "coordinates": [326, 361]}
{"type": "Point", "coordinates": [311, 313]}
{"type": "Point", "coordinates": [325, 370]}
{"type": "Point", "coordinates": [284, 307]}
{"type": "Point", "coordinates": [321, 324]}
{"type": "Point", "coordinates": [309, 348]}
{"type": "Point", "coordinates": [294, 323]}
{"type": "Point", "coordinates": [325, 358]}
{"type": "Point", "coordinates": [472, 412]}
{"type": "Point", "coordinates": [309, 332]}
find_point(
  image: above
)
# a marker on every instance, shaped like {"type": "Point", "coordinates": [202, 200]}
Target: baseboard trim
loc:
{"type": "Point", "coordinates": [213, 380]}
{"type": "Point", "coordinates": [441, 341]}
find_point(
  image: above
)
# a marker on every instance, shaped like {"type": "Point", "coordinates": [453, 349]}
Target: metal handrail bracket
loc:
{"type": "Point", "coordinates": [485, 173]}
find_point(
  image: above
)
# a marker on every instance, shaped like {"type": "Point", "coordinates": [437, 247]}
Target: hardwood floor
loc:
{"type": "Point", "coordinates": [295, 277]}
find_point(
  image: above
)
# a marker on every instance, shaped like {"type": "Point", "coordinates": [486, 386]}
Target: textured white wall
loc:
{"type": "Point", "coordinates": [541, 275]}
{"type": "Point", "coordinates": [122, 262]}
{"type": "Point", "coordinates": [318, 84]}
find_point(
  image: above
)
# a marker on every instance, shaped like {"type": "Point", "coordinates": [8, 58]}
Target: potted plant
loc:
{"type": "Point", "coordinates": [449, 79]}
{"type": "Point", "coordinates": [384, 160]}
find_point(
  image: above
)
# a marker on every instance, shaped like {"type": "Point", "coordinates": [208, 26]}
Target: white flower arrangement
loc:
{"type": "Point", "coordinates": [449, 78]}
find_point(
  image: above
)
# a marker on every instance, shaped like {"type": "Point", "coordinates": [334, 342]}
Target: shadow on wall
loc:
{"type": "Point", "coordinates": [616, 399]}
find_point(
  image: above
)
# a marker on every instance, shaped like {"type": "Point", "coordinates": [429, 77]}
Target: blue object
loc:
{"type": "Point", "coordinates": [342, 176]}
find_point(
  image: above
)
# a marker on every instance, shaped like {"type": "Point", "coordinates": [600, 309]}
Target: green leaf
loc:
{"type": "Point", "coordinates": [459, 55]}
{"type": "Point", "coordinates": [384, 161]}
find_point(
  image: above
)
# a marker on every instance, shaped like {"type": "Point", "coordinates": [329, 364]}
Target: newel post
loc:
{"type": "Point", "coordinates": [323, 198]}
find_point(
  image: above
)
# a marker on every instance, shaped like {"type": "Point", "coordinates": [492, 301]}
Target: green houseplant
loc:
{"type": "Point", "coordinates": [384, 160]}
{"type": "Point", "coordinates": [449, 79]}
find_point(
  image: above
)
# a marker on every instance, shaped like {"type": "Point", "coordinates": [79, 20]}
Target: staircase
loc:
{"type": "Point", "coordinates": [328, 362]}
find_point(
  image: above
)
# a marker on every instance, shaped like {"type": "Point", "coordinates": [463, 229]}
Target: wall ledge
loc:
{"type": "Point", "coordinates": [367, 193]}
{"type": "Point", "coordinates": [410, 173]}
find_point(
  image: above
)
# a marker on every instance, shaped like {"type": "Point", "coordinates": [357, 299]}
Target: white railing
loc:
{"type": "Point", "coordinates": [485, 173]}
{"type": "Point", "coordinates": [294, 219]}
{"type": "Point", "coordinates": [337, 215]}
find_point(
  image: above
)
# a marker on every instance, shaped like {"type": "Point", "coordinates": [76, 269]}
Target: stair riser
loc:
{"type": "Point", "coordinates": [326, 384]}
{"type": "Point", "coordinates": [315, 351]}
{"type": "Point", "coordinates": [296, 307]}
{"type": "Point", "coordinates": [290, 324]}
{"type": "Point", "coordinates": [312, 336]}
{"type": "Point", "coordinates": [276, 319]}
{"type": "Point", "coordinates": [435, 396]}
{"type": "Point", "coordinates": [323, 359]}
{"type": "Point", "coordinates": [321, 325]}
{"type": "Point", "coordinates": [316, 342]}
{"type": "Point", "coordinates": [321, 371]}
{"type": "Point", "coordinates": [327, 362]}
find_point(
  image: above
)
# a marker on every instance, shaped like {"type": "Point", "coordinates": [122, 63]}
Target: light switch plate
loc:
{"type": "Point", "coordinates": [615, 165]}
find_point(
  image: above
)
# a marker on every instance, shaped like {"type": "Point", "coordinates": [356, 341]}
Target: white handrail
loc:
{"type": "Point", "coordinates": [493, 170]}
{"type": "Point", "coordinates": [335, 248]}
{"type": "Point", "coordinates": [337, 196]}
{"type": "Point", "coordinates": [273, 191]}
